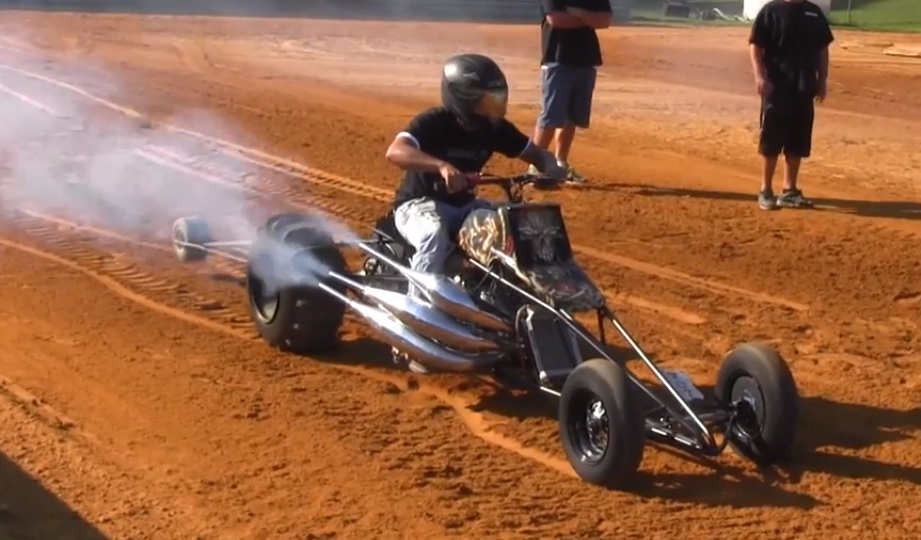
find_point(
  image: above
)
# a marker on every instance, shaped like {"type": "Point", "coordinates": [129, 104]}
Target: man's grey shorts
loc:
{"type": "Point", "coordinates": [566, 95]}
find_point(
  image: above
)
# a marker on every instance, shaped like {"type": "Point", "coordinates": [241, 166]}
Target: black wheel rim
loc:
{"type": "Point", "coordinates": [589, 428]}
{"type": "Point", "coordinates": [265, 302]}
{"type": "Point", "coordinates": [748, 401]}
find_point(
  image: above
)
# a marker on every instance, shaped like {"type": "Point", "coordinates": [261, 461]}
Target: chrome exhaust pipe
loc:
{"type": "Point", "coordinates": [424, 318]}
{"type": "Point", "coordinates": [427, 352]}
{"type": "Point", "coordinates": [445, 295]}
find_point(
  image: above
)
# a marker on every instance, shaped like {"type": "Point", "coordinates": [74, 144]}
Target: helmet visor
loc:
{"type": "Point", "coordinates": [494, 104]}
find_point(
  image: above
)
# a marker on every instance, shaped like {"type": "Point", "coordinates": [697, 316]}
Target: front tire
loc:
{"type": "Point", "coordinates": [602, 430]}
{"type": "Point", "coordinates": [755, 381]}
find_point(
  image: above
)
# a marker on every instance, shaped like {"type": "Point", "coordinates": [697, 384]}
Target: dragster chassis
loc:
{"type": "Point", "coordinates": [753, 409]}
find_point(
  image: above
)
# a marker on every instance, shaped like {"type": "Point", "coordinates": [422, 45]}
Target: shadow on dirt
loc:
{"type": "Point", "coordinates": [826, 427]}
{"type": "Point", "coordinates": [729, 485]}
{"type": "Point", "coordinates": [886, 209]}
{"type": "Point", "coordinates": [28, 511]}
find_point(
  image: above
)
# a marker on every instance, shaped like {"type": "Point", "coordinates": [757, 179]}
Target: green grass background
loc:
{"type": "Point", "coordinates": [882, 15]}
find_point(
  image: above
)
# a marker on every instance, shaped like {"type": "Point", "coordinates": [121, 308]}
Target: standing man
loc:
{"type": "Point", "coordinates": [789, 53]}
{"type": "Point", "coordinates": [570, 56]}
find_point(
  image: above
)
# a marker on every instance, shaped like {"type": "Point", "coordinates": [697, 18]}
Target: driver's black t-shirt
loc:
{"type": "Point", "coordinates": [438, 134]}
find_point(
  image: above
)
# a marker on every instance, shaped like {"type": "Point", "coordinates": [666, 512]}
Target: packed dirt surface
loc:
{"type": "Point", "coordinates": [136, 401]}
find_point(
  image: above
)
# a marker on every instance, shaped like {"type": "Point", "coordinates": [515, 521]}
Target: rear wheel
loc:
{"type": "Point", "coordinates": [602, 429]}
{"type": "Point", "coordinates": [290, 256]}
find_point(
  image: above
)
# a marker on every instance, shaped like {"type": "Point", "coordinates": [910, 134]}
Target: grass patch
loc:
{"type": "Point", "coordinates": [891, 15]}
{"type": "Point", "coordinates": [875, 15]}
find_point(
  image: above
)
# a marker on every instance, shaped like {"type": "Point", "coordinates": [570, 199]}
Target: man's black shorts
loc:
{"type": "Point", "coordinates": [786, 125]}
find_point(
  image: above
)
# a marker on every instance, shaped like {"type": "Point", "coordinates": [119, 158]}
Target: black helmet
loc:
{"type": "Point", "coordinates": [474, 88]}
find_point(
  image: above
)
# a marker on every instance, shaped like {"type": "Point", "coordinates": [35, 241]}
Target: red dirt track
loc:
{"type": "Point", "coordinates": [136, 401]}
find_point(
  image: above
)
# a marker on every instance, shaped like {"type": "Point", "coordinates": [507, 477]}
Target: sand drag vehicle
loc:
{"type": "Point", "coordinates": [508, 307]}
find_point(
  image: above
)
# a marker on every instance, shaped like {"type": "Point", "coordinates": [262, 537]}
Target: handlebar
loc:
{"type": "Point", "coordinates": [520, 180]}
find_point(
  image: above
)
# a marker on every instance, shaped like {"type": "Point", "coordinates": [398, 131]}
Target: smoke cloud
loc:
{"type": "Point", "coordinates": [64, 155]}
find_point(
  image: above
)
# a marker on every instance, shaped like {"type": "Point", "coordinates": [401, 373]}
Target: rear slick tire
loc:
{"type": "Point", "coordinates": [286, 262]}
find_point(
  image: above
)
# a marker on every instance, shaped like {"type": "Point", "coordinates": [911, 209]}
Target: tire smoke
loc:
{"type": "Point", "coordinates": [87, 159]}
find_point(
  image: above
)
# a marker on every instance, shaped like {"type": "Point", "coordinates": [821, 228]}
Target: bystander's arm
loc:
{"type": "Point", "coordinates": [592, 19]}
{"type": "Point", "coordinates": [823, 64]}
{"type": "Point", "coordinates": [823, 74]}
{"type": "Point", "coordinates": [761, 38]}
{"type": "Point", "coordinates": [757, 59]}
{"type": "Point", "coordinates": [563, 20]}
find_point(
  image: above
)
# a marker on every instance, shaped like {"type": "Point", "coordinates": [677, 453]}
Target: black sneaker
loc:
{"type": "Point", "coordinates": [766, 200]}
{"type": "Point", "coordinates": [793, 198]}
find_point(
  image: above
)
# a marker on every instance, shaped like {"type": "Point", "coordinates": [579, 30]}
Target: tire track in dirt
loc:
{"type": "Point", "coordinates": [218, 265]}
{"type": "Point", "coordinates": [125, 278]}
{"type": "Point", "coordinates": [192, 54]}
{"type": "Point", "coordinates": [16, 45]}
{"type": "Point", "coordinates": [22, 97]}
{"type": "Point", "coordinates": [256, 185]}
{"type": "Point", "coordinates": [715, 287]}
{"type": "Point", "coordinates": [294, 170]}
{"type": "Point", "coordinates": [38, 441]}
{"type": "Point", "coordinates": [114, 272]}
{"type": "Point", "coordinates": [333, 180]}
{"type": "Point", "coordinates": [38, 408]}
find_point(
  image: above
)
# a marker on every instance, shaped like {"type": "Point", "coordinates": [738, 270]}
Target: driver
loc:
{"type": "Point", "coordinates": [443, 145]}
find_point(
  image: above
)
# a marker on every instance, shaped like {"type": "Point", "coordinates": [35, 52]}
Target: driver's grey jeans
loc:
{"type": "Point", "coordinates": [430, 227]}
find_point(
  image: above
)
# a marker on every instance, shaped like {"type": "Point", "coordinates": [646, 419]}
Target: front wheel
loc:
{"type": "Point", "coordinates": [756, 384]}
{"type": "Point", "coordinates": [602, 430]}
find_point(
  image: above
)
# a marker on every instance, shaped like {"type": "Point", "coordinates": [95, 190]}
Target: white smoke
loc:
{"type": "Point", "coordinates": [66, 155]}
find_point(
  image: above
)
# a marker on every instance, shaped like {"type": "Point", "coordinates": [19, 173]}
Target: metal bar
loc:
{"type": "Point", "coordinates": [638, 383]}
{"type": "Point", "coordinates": [345, 280]}
{"type": "Point", "coordinates": [704, 431]}
{"type": "Point", "coordinates": [698, 426]}
{"type": "Point", "coordinates": [243, 260]}
{"type": "Point", "coordinates": [588, 338]}
{"type": "Point", "coordinates": [380, 256]}
{"type": "Point", "coordinates": [228, 243]}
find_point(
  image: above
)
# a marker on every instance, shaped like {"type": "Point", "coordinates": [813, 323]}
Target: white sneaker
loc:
{"type": "Point", "coordinates": [571, 174]}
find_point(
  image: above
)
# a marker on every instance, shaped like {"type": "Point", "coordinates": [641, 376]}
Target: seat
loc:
{"type": "Point", "coordinates": [386, 230]}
